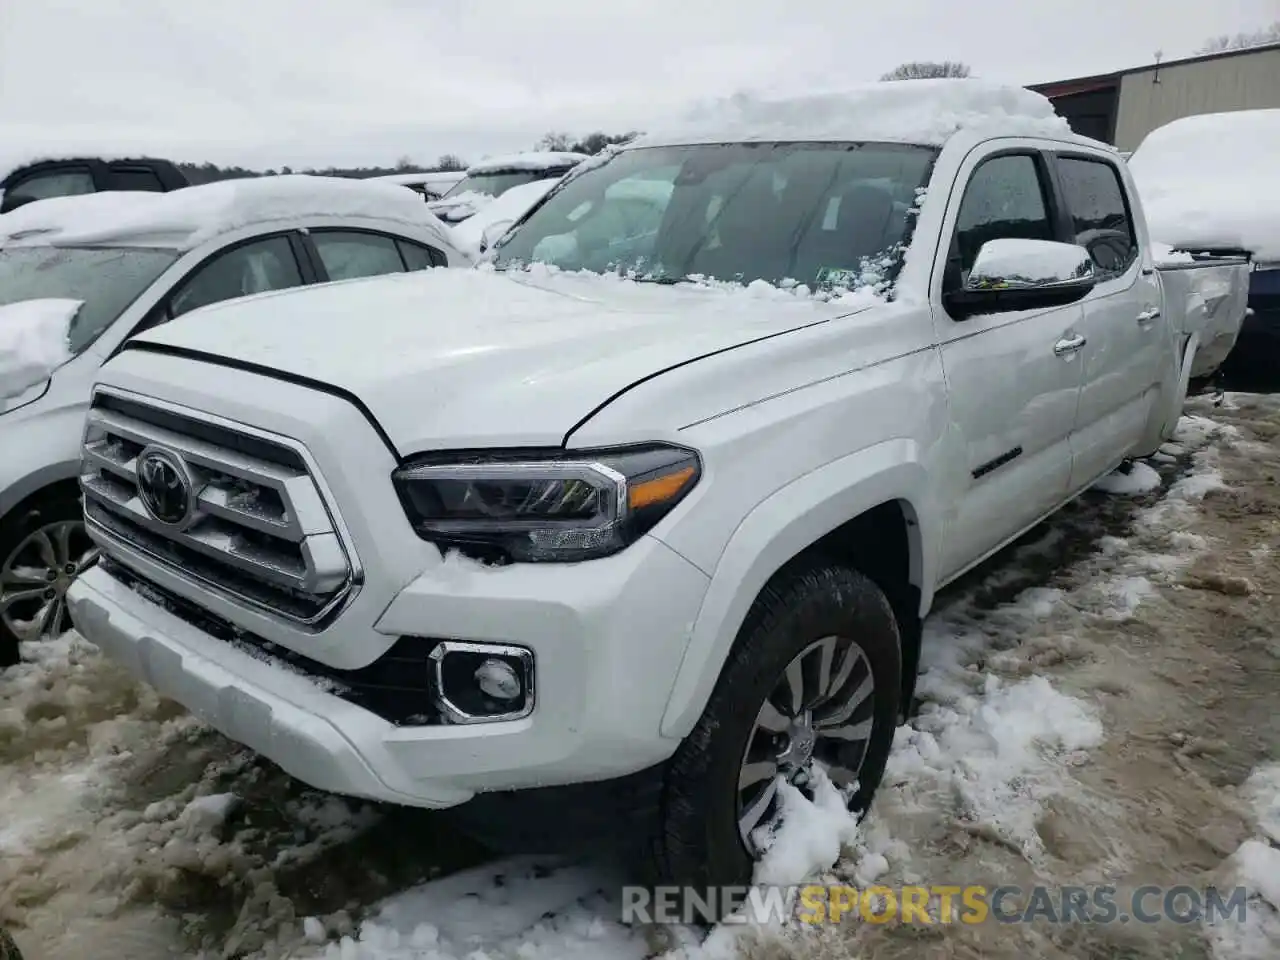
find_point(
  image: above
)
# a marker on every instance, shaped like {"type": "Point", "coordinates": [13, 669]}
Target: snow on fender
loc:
{"type": "Point", "coordinates": [33, 342]}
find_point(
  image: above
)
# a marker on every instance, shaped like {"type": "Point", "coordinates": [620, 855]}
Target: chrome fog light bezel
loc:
{"type": "Point", "coordinates": [450, 712]}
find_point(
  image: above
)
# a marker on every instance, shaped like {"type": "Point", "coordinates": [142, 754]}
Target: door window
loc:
{"type": "Point", "coordinates": [1099, 214]}
{"type": "Point", "coordinates": [348, 255]}
{"type": "Point", "coordinates": [56, 183]}
{"type": "Point", "coordinates": [249, 268]}
{"type": "Point", "coordinates": [1004, 199]}
{"type": "Point", "coordinates": [136, 178]}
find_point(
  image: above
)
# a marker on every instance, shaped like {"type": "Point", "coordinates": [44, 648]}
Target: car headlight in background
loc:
{"type": "Point", "coordinates": [553, 506]}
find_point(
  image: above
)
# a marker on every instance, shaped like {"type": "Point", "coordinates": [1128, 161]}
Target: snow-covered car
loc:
{"type": "Point", "coordinates": [478, 232]}
{"type": "Point", "coordinates": [491, 178]}
{"type": "Point", "coordinates": [1211, 191]}
{"type": "Point", "coordinates": [25, 181]}
{"type": "Point", "coordinates": [644, 528]}
{"type": "Point", "coordinates": [79, 275]}
{"type": "Point", "coordinates": [431, 186]}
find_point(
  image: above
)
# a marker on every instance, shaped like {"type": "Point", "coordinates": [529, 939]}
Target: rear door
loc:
{"type": "Point", "coordinates": [1013, 377]}
{"type": "Point", "coordinates": [1126, 339]}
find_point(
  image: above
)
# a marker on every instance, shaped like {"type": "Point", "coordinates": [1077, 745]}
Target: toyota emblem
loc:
{"type": "Point", "coordinates": [164, 487]}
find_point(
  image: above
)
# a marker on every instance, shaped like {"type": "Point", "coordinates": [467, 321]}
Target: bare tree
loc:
{"type": "Point", "coordinates": [928, 70]}
{"type": "Point", "coordinates": [405, 164]}
{"type": "Point", "coordinates": [1242, 41]}
{"type": "Point", "coordinates": [554, 141]}
{"type": "Point", "coordinates": [451, 161]}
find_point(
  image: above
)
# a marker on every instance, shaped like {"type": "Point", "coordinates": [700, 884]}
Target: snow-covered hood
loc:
{"type": "Point", "coordinates": [458, 358]}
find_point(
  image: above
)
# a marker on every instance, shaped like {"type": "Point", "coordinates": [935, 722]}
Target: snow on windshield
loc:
{"type": "Point", "coordinates": [188, 217]}
{"type": "Point", "coordinates": [902, 111]}
{"type": "Point", "coordinates": [1212, 181]}
{"type": "Point", "coordinates": [511, 206]}
{"type": "Point", "coordinates": [33, 342]}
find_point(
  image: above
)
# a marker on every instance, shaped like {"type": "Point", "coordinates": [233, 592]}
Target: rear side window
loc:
{"type": "Point", "coordinates": [136, 178]}
{"type": "Point", "coordinates": [1004, 200]}
{"type": "Point", "coordinates": [1099, 215]}
{"type": "Point", "coordinates": [348, 255]}
{"type": "Point", "coordinates": [417, 257]}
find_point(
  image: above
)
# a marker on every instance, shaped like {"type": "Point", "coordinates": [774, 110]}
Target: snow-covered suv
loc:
{"type": "Point", "coordinates": [643, 517]}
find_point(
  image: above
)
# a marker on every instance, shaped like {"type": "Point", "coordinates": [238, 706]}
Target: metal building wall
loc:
{"type": "Point", "coordinates": [1243, 82]}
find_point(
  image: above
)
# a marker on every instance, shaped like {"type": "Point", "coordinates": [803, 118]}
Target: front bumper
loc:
{"type": "Point", "coordinates": [607, 636]}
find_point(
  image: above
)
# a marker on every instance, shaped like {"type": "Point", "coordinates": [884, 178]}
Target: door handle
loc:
{"type": "Point", "coordinates": [1068, 345]}
{"type": "Point", "coordinates": [1149, 314]}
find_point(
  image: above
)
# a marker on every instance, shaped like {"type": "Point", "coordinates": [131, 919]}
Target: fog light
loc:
{"type": "Point", "coordinates": [498, 679]}
{"type": "Point", "coordinates": [482, 682]}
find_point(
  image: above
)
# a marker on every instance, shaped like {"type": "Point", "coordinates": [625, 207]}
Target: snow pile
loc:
{"type": "Point", "coordinates": [1211, 181]}
{"type": "Point", "coordinates": [1140, 478]}
{"type": "Point", "coordinates": [926, 112]}
{"type": "Point", "coordinates": [511, 206]}
{"type": "Point", "coordinates": [188, 217]}
{"type": "Point", "coordinates": [1256, 867]}
{"type": "Point", "coordinates": [459, 206]}
{"type": "Point", "coordinates": [33, 342]}
{"type": "Point", "coordinates": [1165, 256]}
{"type": "Point", "coordinates": [537, 161]}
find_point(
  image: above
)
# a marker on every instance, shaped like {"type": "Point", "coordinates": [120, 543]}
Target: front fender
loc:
{"type": "Point", "coordinates": [779, 528]}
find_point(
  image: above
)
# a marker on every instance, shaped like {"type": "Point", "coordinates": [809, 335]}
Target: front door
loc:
{"type": "Point", "coordinates": [1013, 377]}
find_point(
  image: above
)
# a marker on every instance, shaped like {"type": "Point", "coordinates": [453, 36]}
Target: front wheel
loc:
{"type": "Point", "coordinates": [814, 680]}
{"type": "Point", "coordinates": [41, 551]}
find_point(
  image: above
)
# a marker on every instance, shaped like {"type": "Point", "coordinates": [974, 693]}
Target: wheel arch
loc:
{"type": "Point", "coordinates": [47, 481]}
{"type": "Point", "coordinates": [871, 508]}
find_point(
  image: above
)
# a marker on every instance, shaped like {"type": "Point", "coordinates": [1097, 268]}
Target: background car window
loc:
{"type": "Point", "coordinates": [1099, 216]}
{"type": "Point", "coordinates": [1004, 200]}
{"type": "Point", "coordinates": [136, 178]}
{"type": "Point", "coordinates": [62, 183]}
{"type": "Point", "coordinates": [251, 268]}
{"type": "Point", "coordinates": [417, 257]}
{"type": "Point", "coordinates": [347, 256]}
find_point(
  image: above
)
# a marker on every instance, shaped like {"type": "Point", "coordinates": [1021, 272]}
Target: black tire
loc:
{"type": "Point", "coordinates": [15, 528]}
{"type": "Point", "coordinates": [698, 843]}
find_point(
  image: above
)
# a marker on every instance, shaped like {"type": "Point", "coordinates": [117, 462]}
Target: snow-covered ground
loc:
{"type": "Point", "coordinates": [1099, 705]}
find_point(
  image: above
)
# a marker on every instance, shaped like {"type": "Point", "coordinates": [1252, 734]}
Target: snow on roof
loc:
{"type": "Point", "coordinates": [542, 160]}
{"type": "Point", "coordinates": [924, 112]}
{"type": "Point", "coordinates": [435, 176]}
{"type": "Point", "coordinates": [188, 217]}
{"type": "Point", "coordinates": [1212, 181]}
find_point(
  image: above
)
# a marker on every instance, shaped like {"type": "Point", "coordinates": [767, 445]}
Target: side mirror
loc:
{"type": "Point", "coordinates": [494, 232]}
{"type": "Point", "coordinates": [1023, 275]}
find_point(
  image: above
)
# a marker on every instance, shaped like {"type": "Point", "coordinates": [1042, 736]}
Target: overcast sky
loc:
{"type": "Point", "coordinates": [319, 82]}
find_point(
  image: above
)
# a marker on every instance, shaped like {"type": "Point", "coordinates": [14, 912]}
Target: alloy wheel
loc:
{"type": "Point", "coordinates": [820, 711]}
{"type": "Point", "coordinates": [35, 576]}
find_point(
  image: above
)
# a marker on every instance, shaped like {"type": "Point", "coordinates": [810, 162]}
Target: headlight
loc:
{"type": "Point", "coordinates": [545, 506]}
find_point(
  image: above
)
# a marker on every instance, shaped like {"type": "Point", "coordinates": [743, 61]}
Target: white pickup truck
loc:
{"type": "Point", "coordinates": [642, 519]}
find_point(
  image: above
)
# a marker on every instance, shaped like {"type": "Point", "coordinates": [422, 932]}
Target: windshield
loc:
{"type": "Point", "coordinates": [106, 279]}
{"type": "Point", "coordinates": [496, 184]}
{"type": "Point", "coordinates": [821, 214]}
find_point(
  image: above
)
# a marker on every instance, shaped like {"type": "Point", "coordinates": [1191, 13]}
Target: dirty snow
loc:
{"type": "Point", "coordinates": [511, 206]}
{"type": "Point", "coordinates": [926, 112]}
{"type": "Point", "coordinates": [33, 342]}
{"type": "Point", "coordinates": [188, 217]}
{"type": "Point", "coordinates": [1057, 741]}
{"type": "Point", "coordinates": [1210, 181]}
{"type": "Point", "coordinates": [1140, 478]}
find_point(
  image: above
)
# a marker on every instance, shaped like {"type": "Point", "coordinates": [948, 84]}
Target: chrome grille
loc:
{"type": "Point", "coordinates": [258, 528]}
